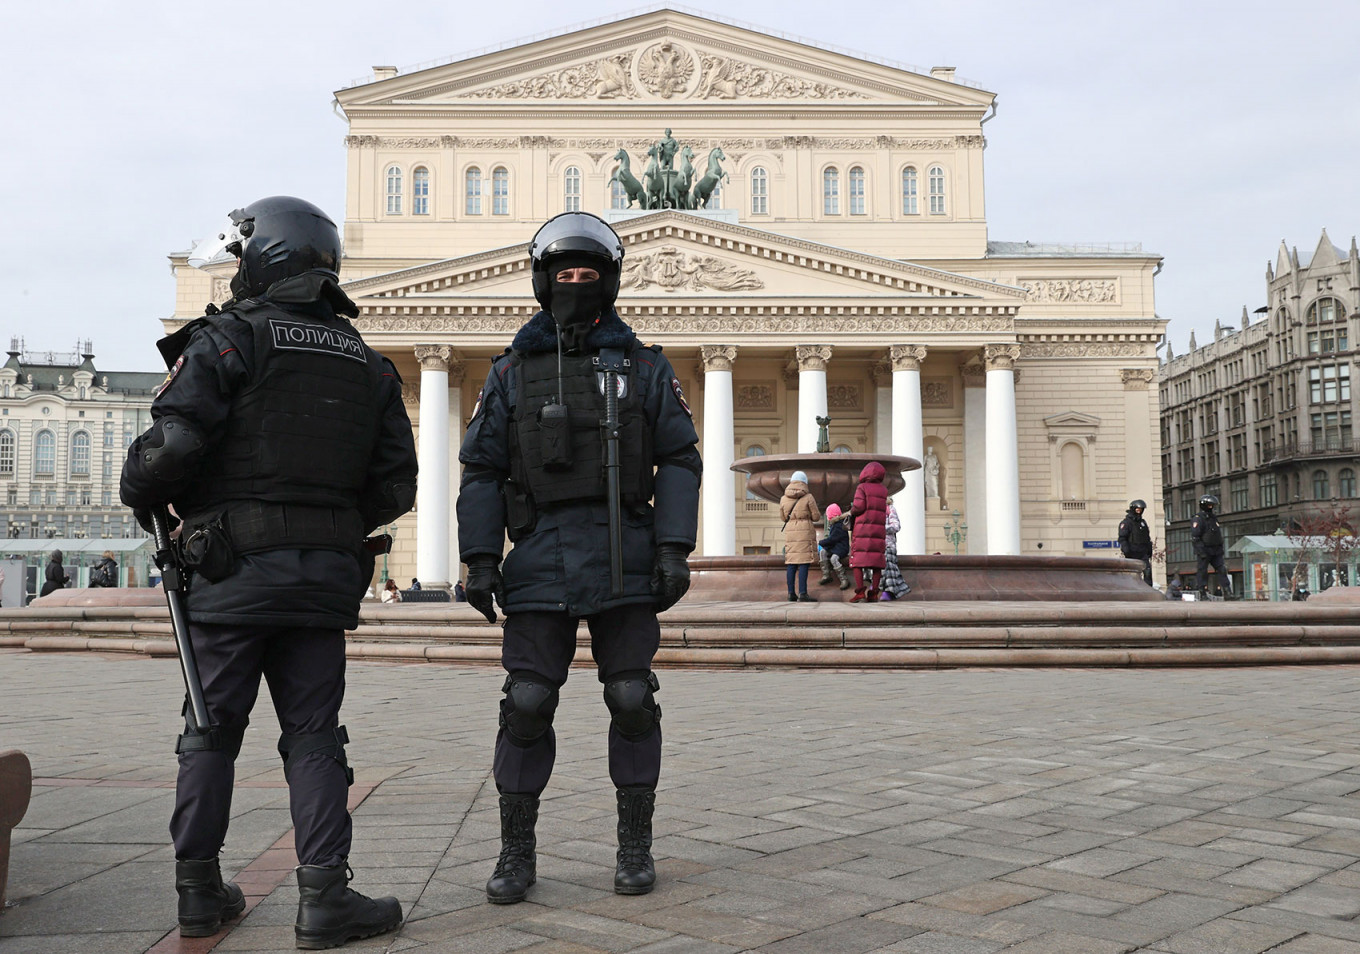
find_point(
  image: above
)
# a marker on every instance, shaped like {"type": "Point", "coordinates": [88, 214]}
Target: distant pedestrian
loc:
{"type": "Point", "coordinates": [1207, 537]}
{"type": "Point", "coordinates": [390, 593]}
{"type": "Point", "coordinates": [870, 509]}
{"type": "Point", "coordinates": [800, 513]}
{"type": "Point", "coordinates": [1135, 539]}
{"type": "Point", "coordinates": [459, 594]}
{"type": "Point", "coordinates": [894, 587]}
{"type": "Point", "coordinates": [1175, 590]}
{"type": "Point", "coordinates": [415, 584]}
{"type": "Point", "coordinates": [56, 575]}
{"type": "Point", "coordinates": [835, 548]}
{"type": "Point", "coordinates": [104, 572]}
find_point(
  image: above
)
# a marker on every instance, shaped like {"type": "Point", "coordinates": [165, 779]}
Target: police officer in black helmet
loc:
{"type": "Point", "coordinates": [1135, 539]}
{"type": "Point", "coordinates": [535, 467]}
{"type": "Point", "coordinates": [281, 440]}
{"type": "Point", "coordinates": [1207, 537]}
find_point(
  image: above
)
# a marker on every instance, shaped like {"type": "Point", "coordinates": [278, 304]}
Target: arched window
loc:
{"type": "Point", "coordinates": [910, 205]}
{"type": "Point", "coordinates": [7, 452]}
{"type": "Point", "coordinates": [760, 191]}
{"type": "Point", "coordinates": [420, 191]}
{"type": "Point", "coordinates": [80, 454]}
{"type": "Point", "coordinates": [1345, 481]}
{"type": "Point", "coordinates": [571, 190]}
{"type": "Point", "coordinates": [394, 190]}
{"type": "Point", "coordinates": [1321, 485]}
{"type": "Point", "coordinates": [472, 191]}
{"type": "Point", "coordinates": [831, 191]}
{"type": "Point", "coordinates": [842, 449]}
{"type": "Point", "coordinates": [45, 454]}
{"type": "Point", "coordinates": [500, 191]}
{"type": "Point", "coordinates": [755, 450]}
{"type": "Point", "coordinates": [936, 190]}
{"type": "Point", "coordinates": [856, 190]}
{"type": "Point", "coordinates": [1073, 471]}
{"type": "Point", "coordinates": [618, 195]}
{"type": "Point", "coordinates": [1325, 310]}
{"type": "Point", "coordinates": [715, 197]}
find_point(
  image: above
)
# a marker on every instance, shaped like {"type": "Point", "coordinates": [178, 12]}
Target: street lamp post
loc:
{"type": "Point", "coordinates": [956, 532]}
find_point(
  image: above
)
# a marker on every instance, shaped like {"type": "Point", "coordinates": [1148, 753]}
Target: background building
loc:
{"type": "Point", "coordinates": [843, 266]}
{"type": "Point", "coordinates": [1262, 416]}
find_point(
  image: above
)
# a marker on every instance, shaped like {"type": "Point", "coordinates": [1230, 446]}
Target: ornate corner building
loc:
{"type": "Point", "coordinates": [805, 235]}
{"type": "Point", "coordinates": [1261, 417]}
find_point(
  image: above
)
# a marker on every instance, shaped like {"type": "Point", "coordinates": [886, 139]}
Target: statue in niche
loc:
{"type": "Point", "coordinates": [930, 468]}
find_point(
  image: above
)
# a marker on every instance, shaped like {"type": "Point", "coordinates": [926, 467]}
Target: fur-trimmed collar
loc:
{"type": "Point", "coordinates": [540, 334]}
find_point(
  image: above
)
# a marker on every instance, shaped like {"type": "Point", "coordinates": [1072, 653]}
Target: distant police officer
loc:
{"type": "Point", "coordinates": [1135, 539]}
{"type": "Point", "coordinates": [536, 465]}
{"type": "Point", "coordinates": [1207, 537]}
{"type": "Point", "coordinates": [280, 438]}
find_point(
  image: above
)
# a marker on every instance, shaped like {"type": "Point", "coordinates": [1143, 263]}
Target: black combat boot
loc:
{"type": "Point", "coordinates": [205, 900]}
{"type": "Point", "coordinates": [331, 913]}
{"type": "Point", "coordinates": [517, 867]}
{"type": "Point", "coordinates": [636, 873]}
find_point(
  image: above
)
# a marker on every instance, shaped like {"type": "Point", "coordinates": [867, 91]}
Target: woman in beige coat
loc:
{"type": "Point", "coordinates": [800, 514]}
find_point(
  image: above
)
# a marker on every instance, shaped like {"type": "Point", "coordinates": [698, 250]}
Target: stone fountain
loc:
{"type": "Point", "coordinates": [832, 479]}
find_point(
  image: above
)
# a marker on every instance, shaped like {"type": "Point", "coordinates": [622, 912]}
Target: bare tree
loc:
{"type": "Point", "coordinates": [1324, 535]}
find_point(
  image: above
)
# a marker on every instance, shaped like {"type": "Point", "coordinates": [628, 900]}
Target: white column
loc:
{"type": "Point", "coordinates": [456, 371]}
{"type": "Point", "coordinates": [720, 490]}
{"type": "Point", "coordinates": [432, 486]}
{"type": "Point", "coordinates": [882, 372]}
{"type": "Point", "coordinates": [812, 361]}
{"type": "Point", "coordinates": [975, 455]}
{"type": "Point", "coordinates": [1003, 452]}
{"type": "Point", "coordinates": [909, 441]}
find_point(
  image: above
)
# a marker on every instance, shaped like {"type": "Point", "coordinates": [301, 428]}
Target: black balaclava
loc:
{"type": "Point", "coordinates": [577, 306]}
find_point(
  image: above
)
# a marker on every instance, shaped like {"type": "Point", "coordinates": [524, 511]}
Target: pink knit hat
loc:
{"type": "Point", "coordinates": [833, 511]}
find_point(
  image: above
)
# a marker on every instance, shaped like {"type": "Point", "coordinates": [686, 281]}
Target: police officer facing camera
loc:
{"type": "Point", "coordinates": [537, 460]}
{"type": "Point", "coordinates": [281, 440]}
{"type": "Point", "coordinates": [1207, 537]}
{"type": "Point", "coordinates": [1135, 539]}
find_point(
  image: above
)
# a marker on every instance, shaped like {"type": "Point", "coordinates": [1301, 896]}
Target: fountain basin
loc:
{"type": "Point", "coordinates": [831, 477]}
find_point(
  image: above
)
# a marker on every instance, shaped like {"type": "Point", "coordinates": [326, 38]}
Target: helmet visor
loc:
{"type": "Point", "coordinates": [218, 248]}
{"type": "Point", "coordinates": [576, 232]}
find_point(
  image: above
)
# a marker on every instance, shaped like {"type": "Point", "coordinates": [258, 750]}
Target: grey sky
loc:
{"type": "Point", "coordinates": [1206, 131]}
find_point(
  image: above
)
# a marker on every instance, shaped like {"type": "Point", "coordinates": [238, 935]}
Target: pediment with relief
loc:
{"type": "Point", "coordinates": [664, 56]}
{"type": "Point", "coordinates": [671, 255]}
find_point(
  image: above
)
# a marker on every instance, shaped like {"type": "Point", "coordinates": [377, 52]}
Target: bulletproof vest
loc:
{"type": "Point", "coordinates": [303, 430]}
{"type": "Point", "coordinates": [1211, 534]}
{"type": "Point", "coordinates": [536, 458]}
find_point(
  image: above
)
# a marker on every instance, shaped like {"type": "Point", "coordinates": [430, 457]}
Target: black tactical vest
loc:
{"type": "Point", "coordinates": [582, 391]}
{"type": "Point", "coordinates": [304, 429]}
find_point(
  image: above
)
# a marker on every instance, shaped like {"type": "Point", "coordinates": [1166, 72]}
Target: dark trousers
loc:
{"type": "Point", "coordinates": [800, 570]}
{"type": "Point", "coordinates": [621, 640]}
{"type": "Point", "coordinates": [1212, 559]}
{"type": "Point", "coordinates": [305, 669]}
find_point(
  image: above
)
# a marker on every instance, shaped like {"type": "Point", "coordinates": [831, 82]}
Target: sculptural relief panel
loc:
{"type": "Point", "coordinates": [1078, 291]}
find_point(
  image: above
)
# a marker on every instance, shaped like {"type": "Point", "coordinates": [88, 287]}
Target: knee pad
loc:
{"type": "Point", "coordinates": [217, 739]}
{"type": "Point", "coordinates": [528, 707]}
{"type": "Point", "coordinates": [293, 748]}
{"type": "Point", "coordinates": [629, 696]}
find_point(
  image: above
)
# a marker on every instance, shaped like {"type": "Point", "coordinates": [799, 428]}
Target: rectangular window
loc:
{"type": "Point", "coordinates": [12, 497]}
{"type": "Point", "coordinates": [71, 498]}
{"type": "Point", "coordinates": [35, 497]}
{"type": "Point", "coordinates": [1237, 493]}
{"type": "Point", "coordinates": [1269, 496]}
{"type": "Point", "coordinates": [108, 435]}
{"type": "Point", "coordinates": [85, 497]}
{"type": "Point", "coordinates": [108, 466]}
{"type": "Point", "coordinates": [107, 499]}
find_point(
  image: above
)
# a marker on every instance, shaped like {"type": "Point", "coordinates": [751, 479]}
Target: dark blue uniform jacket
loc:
{"type": "Point", "coordinates": [563, 563]}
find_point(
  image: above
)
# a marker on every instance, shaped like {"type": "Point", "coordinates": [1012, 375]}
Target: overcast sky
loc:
{"type": "Point", "coordinates": [1206, 131]}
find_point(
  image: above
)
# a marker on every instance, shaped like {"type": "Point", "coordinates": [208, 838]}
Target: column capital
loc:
{"type": "Point", "coordinates": [904, 357]}
{"type": "Point", "coordinates": [974, 373]}
{"type": "Point", "coordinates": [882, 372]}
{"type": "Point", "coordinates": [433, 357]}
{"type": "Point", "coordinates": [1136, 379]}
{"type": "Point", "coordinates": [717, 357]}
{"type": "Point", "coordinates": [812, 357]}
{"type": "Point", "coordinates": [1001, 357]}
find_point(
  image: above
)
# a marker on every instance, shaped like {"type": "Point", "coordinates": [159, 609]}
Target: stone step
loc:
{"type": "Point", "coordinates": [814, 635]}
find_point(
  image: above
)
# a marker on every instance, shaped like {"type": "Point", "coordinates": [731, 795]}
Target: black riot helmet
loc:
{"type": "Point", "coordinates": [1208, 502]}
{"type": "Point", "coordinates": [1138, 505]}
{"type": "Point", "coordinates": [275, 238]}
{"type": "Point", "coordinates": [577, 236]}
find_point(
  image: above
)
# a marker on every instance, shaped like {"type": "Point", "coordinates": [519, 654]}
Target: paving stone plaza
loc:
{"type": "Point", "coordinates": [1039, 811]}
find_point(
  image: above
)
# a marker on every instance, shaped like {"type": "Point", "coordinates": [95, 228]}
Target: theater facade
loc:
{"type": "Point", "coordinates": [840, 266]}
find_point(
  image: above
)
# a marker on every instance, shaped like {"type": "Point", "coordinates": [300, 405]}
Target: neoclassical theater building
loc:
{"type": "Point", "coordinates": [841, 267]}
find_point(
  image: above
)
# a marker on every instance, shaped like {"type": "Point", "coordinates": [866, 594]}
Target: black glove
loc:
{"type": "Point", "coordinates": [483, 582]}
{"type": "Point", "coordinates": [670, 576]}
{"type": "Point", "coordinates": [143, 515]}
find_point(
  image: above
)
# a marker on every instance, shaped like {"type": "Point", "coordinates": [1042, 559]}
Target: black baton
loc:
{"type": "Point", "coordinates": [174, 583]}
{"type": "Point", "coordinates": [611, 475]}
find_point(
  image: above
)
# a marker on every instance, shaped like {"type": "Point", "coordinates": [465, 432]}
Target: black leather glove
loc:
{"type": "Point", "coordinates": [670, 576]}
{"type": "Point", "coordinates": [485, 581]}
{"type": "Point", "coordinates": [143, 515]}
